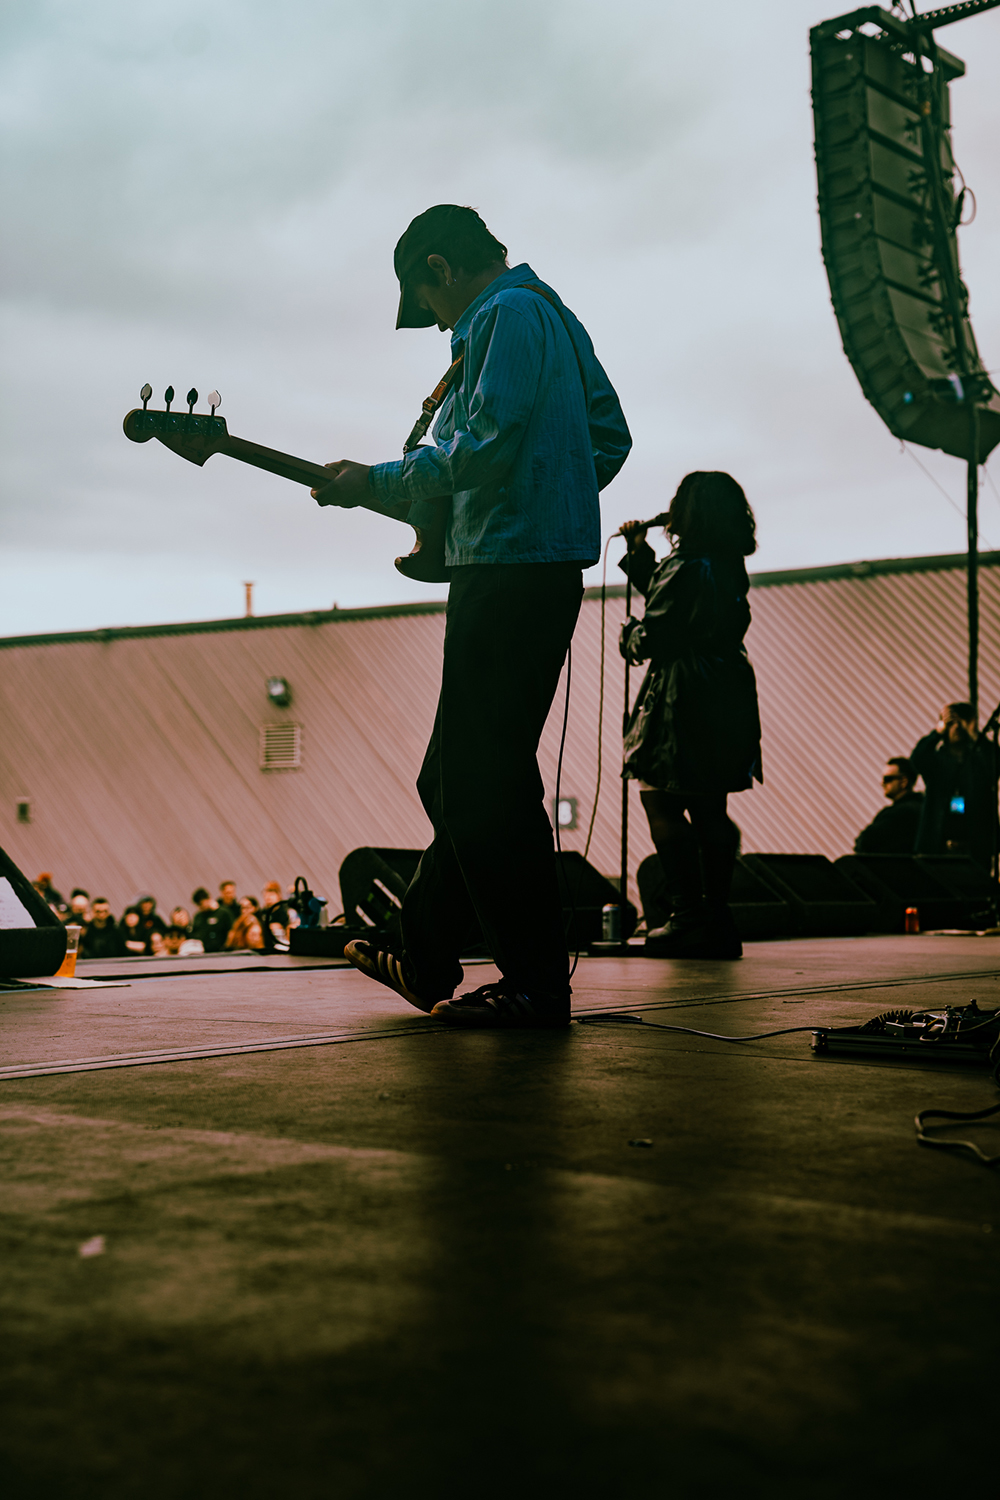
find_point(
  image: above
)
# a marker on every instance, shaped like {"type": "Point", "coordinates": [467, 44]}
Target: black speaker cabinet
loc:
{"type": "Point", "coordinates": [585, 892]}
{"type": "Point", "coordinates": [32, 938]}
{"type": "Point", "coordinates": [967, 882]}
{"type": "Point", "coordinates": [324, 942]}
{"type": "Point", "coordinates": [758, 910]}
{"type": "Point", "coordinates": [822, 900]}
{"type": "Point", "coordinates": [897, 881]}
{"type": "Point", "coordinates": [373, 883]}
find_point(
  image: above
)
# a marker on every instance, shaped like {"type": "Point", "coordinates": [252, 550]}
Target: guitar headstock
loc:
{"type": "Point", "coordinates": [187, 434]}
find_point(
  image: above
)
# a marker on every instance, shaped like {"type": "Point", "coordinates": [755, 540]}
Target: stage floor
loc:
{"type": "Point", "coordinates": [348, 1252]}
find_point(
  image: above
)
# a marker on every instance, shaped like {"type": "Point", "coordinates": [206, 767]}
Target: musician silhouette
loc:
{"type": "Point", "coordinates": [527, 434]}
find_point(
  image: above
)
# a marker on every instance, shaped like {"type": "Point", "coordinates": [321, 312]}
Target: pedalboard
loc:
{"type": "Point", "coordinates": [953, 1034]}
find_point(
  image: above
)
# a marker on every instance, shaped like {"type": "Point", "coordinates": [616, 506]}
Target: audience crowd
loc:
{"type": "Point", "coordinates": [217, 925]}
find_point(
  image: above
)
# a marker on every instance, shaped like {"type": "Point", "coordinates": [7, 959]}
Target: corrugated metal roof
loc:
{"type": "Point", "coordinates": [139, 749]}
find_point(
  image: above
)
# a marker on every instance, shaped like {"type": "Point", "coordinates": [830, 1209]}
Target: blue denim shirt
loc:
{"type": "Point", "coordinates": [524, 443]}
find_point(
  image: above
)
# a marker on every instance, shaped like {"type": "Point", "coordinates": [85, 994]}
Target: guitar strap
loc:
{"type": "Point", "coordinates": [453, 371]}
{"type": "Point", "coordinates": [432, 403]}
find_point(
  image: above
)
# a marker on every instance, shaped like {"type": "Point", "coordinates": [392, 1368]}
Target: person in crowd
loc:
{"type": "Point", "coordinates": [694, 732]}
{"type": "Point", "coordinates": [270, 897]}
{"type": "Point", "coordinates": [175, 943]}
{"type": "Point", "coordinates": [893, 830]}
{"type": "Point", "coordinates": [529, 431]}
{"type": "Point", "coordinates": [53, 898]}
{"type": "Point", "coordinates": [150, 921]}
{"type": "Point", "coordinates": [211, 924]}
{"type": "Point", "coordinates": [181, 917]}
{"type": "Point", "coordinates": [246, 931]}
{"type": "Point", "coordinates": [227, 900]}
{"type": "Point", "coordinates": [101, 938]}
{"type": "Point", "coordinates": [959, 768]}
{"type": "Point", "coordinates": [133, 939]}
{"type": "Point", "coordinates": [79, 908]}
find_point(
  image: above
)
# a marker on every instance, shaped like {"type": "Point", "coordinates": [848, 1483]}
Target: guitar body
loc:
{"type": "Point", "coordinates": [196, 438]}
{"type": "Point", "coordinates": [426, 562]}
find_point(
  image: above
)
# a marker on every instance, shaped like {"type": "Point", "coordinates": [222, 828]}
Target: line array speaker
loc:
{"type": "Point", "coordinates": [888, 213]}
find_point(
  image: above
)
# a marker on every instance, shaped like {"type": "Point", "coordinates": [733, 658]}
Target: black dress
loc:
{"type": "Point", "coordinates": [695, 727]}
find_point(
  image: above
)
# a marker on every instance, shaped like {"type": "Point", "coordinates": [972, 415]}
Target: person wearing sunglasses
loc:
{"type": "Point", "coordinates": [893, 830]}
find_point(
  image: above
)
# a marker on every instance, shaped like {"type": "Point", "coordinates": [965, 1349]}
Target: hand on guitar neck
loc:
{"type": "Point", "coordinates": [348, 485]}
{"type": "Point", "coordinates": [343, 484]}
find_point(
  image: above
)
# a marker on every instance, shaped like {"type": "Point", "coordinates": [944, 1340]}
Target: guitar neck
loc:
{"type": "Point", "coordinates": [300, 470]}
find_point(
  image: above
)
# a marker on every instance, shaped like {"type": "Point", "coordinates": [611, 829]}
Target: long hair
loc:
{"type": "Point", "coordinates": [710, 513]}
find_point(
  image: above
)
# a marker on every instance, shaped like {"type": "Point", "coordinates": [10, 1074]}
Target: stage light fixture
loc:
{"type": "Point", "coordinates": [278, 692]}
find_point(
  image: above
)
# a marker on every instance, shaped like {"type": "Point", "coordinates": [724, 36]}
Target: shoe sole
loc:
{"type": "Point", "coordinates": [385, 969]}
{"type": "Point", "coordinates": [485, 1018]}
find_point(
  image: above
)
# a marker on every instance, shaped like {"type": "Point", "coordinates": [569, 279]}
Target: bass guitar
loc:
{"type": "Point", "coordinates": [196, 437]}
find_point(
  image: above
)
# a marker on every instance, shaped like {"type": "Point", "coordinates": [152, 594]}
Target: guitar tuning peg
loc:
{"type": "Point", "coordinates": [191, 398]}
{"type": "Point", "coordinates": [168, 395]}
{"type": "Point", "coordinates": [214, 400]}
{"type": "Point", "coordinates": [145, 394]}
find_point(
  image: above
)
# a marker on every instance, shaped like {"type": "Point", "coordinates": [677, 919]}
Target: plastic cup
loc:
{"type": "Point", "coordinates": [67, 968]}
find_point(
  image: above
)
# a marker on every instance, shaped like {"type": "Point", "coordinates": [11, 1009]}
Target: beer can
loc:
{"type": "Point", "coordinates": [912, 920]}
{"type": "Point", "coordinates": [611, 923]}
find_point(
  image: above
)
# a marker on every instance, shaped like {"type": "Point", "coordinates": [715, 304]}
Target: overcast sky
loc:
{"type": "Point", "coordinates": [210, 194]}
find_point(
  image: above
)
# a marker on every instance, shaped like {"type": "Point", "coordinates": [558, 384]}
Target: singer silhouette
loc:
{"type": "Point", "coordinates": [694, 732]}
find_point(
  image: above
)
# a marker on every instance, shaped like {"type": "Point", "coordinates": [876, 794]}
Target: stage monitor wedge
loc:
{"type": "Point", "coordinates": [888, 210]}
{"type": "Point", "coordinates": [822, 900]}
{"type": "Point", "coordinates": [32, 938]}
{"type": "Point", "coordinates": [896, 882]}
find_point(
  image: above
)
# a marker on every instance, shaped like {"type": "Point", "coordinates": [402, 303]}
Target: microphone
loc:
{"type": "Point", "coordinates": [660, 520]}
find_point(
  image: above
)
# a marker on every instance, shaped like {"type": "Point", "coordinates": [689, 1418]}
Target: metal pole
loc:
{"type": "Point", "coordinates": [972, 516]}
{"type": "Point", "coordinates": [623, 886]}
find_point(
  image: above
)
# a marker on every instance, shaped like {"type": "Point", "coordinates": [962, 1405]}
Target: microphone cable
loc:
{"type": "Point", "coordinates": [600, 696]}
{"type": "Point", "coordinates": [559, 849]}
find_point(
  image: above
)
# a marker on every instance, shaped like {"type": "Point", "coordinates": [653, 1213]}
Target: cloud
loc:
{"type": "Point", "coordinates": [210, 195]}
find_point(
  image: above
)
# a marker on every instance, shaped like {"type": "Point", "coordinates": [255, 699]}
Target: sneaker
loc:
{"type": "Point", "coordinates": [494, 1006]}
{"type": "Point", "coordinates": [385, 968]}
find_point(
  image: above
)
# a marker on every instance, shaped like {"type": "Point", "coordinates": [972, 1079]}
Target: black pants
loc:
{"type": "Point", "coordinates": [492, 857]}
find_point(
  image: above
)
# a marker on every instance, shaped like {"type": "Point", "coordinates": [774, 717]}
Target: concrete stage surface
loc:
{"type": "Point", "coordinates": [348, 1253]}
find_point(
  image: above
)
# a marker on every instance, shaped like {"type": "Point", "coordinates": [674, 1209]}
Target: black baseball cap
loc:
{"type": "Point", "coordinates": [447, 229]}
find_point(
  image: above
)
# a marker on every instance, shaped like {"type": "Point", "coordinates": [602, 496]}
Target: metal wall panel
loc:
{"type": "Point", "coordinates": [139, 751]}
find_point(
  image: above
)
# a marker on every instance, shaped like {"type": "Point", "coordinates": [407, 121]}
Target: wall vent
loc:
{"type": "Point", "coordinates": [280, 747]}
